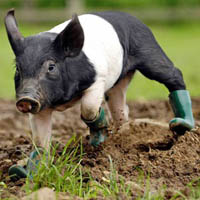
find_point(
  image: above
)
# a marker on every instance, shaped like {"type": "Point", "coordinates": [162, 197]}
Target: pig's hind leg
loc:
{"type": "Point", "coordinates": [155, 65]}
{"type": "Point", "coordinates": [116, 101]}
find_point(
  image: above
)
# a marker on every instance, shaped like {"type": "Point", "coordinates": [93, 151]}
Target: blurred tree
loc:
{"type": "Point", "coordinates": [140, 3]}
{"type": "Point", "coordinates": [97, 3]}
{"type": "Point", "coordinates": [11, 3]}
{"type": "Point", "coordinates": [50, 3]}
{"type": "Point", "coordinates": [172, 3]}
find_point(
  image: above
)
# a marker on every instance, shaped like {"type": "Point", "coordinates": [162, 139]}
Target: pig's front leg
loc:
{"type": "Point", "coordinates": [41, 125]}
{"type": "Point", "coordinates": [41, 134]}
{"type": "Point", "coordinates": [92, 100]}
{"type": "Point", "coordinates": [93, 114]}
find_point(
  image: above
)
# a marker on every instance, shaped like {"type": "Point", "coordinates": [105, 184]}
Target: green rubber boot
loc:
{"type": "Point", "coordinates": [33, 161]}
{"type": "Point", "coordinates": [182, 107]}
{"type": "Point", "coordinates": [17, 172]}
{"type": "Point", "coordinates": [98, 128]}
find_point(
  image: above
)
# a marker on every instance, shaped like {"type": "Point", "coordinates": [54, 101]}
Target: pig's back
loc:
{"type": "Point", "coordinates": [110, 39]}
{"type": "Point", "coordinates": [135, 38]}
{"type": "Point", "coordinates": [102, 47]}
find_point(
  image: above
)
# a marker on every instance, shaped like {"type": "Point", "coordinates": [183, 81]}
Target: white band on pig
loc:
{"type": "Point", "coordinates": [101, 46]}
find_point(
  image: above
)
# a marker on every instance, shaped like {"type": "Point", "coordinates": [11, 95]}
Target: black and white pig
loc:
{"type": "Point", "coordinates": [85, 59]}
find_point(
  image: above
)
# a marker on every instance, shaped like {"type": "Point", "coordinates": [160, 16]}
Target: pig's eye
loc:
{"type": "Point", "coordinates": [52, 70]}
{"type": "Point", "coordinates": [51, 67]}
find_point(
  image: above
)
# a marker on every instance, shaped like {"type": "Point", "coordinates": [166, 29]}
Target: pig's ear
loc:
{"type": "Point", "coordinates": [71, 39]}
{"type": "Point", "coordinates": [14, 36]}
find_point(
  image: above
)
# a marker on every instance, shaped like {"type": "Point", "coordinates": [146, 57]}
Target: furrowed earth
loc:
{"type": "Point", "coordinates": [144, 145]}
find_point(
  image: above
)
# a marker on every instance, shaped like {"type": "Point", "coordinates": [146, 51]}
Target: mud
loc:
{"type": "Point", "coordinates": [140, 147]}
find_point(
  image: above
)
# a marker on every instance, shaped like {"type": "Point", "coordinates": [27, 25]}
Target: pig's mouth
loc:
{"type": "Point", "coordinates": [27, 104]}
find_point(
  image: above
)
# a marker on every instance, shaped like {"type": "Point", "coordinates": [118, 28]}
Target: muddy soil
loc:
{"type": "Point", "coordinates": [139, 147]}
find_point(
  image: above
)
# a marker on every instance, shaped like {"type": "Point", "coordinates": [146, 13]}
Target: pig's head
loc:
{"type": "Point", "coordinates": [51, 69]}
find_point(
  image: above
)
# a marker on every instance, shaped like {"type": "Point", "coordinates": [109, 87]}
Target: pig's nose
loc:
{"type": "Point", "coordinates": [28, 104]}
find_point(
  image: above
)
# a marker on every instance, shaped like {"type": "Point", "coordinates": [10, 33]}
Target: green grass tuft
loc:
{"type": "Point", "coordinates": [62, 174]}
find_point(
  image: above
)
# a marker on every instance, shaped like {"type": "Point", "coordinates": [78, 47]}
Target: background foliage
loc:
{"type": "Point", "coordinates": [104, 3]}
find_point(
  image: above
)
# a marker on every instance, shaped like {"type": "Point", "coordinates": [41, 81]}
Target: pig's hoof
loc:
{"type": "Point", "coordinates": [96, 139]}
{"type": "Point", "coordinates": [17, 172]}
{"type": "Point", "coordinates": [34, 160]}
{"type": "Point", "coordinates": [180, 126]}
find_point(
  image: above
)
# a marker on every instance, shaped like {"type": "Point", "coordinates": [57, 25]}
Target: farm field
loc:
{"type": "Point", "coordinates": [151, 161]}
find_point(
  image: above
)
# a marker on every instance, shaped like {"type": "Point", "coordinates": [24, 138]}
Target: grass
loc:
{"type": "Point", "coordinates": [179, 41]}
{"type": "Point", "coordinates": [65, 175]}
{"type": "Point", "coordinates": [62, 174]}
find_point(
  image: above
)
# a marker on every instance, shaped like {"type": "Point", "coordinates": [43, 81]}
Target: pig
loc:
{"type": "Point", "coordinates": [85, 59]}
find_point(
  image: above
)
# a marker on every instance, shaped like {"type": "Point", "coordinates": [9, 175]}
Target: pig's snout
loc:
{"type": "Point", "coordinates": [28, 105]}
